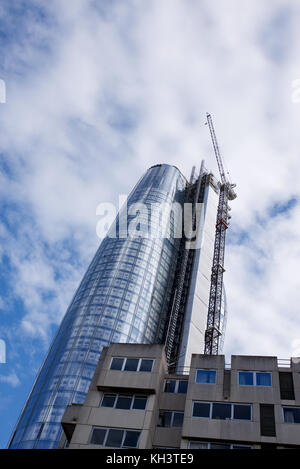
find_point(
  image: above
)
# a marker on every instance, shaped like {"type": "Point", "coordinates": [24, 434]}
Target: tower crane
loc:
{"type": "Point", "coordinates": [213, 330]}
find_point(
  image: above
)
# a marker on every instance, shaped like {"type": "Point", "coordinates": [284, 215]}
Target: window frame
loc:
{"type": "Point", "coordinates": [107, 429]}
{"type": "Point", "coordinates": [138, 370]}
{"type": "Point", "coordinates": [117, 395]}
{"type": "Point", "coordinates": [254, 375]}
{"type": "Point", "coordinates": [232, 404]}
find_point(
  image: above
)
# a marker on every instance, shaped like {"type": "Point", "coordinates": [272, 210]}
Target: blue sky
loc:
{"type": "Point", "coordinates": [98, 91]}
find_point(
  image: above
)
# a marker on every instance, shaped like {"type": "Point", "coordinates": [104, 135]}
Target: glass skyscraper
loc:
{"type": "Point", "coordinates": [126, 295]}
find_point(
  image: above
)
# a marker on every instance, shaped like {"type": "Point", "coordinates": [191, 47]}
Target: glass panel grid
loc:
{"type": "Point", "coordinates": [93, 318]}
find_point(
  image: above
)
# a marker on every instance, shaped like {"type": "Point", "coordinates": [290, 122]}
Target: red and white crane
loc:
{"type": "Point", "coordinates": [213, 330]}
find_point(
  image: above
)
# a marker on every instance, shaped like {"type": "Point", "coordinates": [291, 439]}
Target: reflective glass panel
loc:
{"type": "Point", "coordinates": [263, 379]}
{"type": "Point", "coordinates": [131, 439]}
{"type": "Point", "coordinates": [131, 364]}
{"type": "Point", "coordinates": [291, 414]}
{"type": "Point", "coordinates": [123, 402]}
{"type": "Point", "coordinates": [114, 438]}
{"type": "Point", "coordinates": [98, 436]}
{"type": "Point", "coordinates": [170, 386]}
{"type": "Point", "coordinates": [177, 419]}
{"type": "Point", "coordinates": [221, 411]}
{"type": "Point", "coordinates": [242, 412]}
{"type": "Point", "coordinates": [246, 378]}
{"type": "Point", "coordinates": [146, 365]}
{"type": "Point", "coordinates": [108, 400]}
{"type": "Point", "coordinates": [219, 446]}
{"type": "Point", "coordinates": [139, 402]}
{"type": "Point", "coordinates": [117, 364]}
{"type": "Point", "coordinates": [206, 376]}
{"type": "Point", "coordinates": [201, 409]}
{"type": "Point", "coordinates": [182, 387]}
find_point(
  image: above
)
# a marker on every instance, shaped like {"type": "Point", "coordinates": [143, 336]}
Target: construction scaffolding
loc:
{"type": "Point", "coordinates": [194, 195]}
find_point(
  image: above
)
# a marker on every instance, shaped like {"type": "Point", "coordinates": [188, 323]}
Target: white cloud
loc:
{"type": "Point", "coordinates": [11, 379]}
{"type": "Point", "coordinates": [109, 95]}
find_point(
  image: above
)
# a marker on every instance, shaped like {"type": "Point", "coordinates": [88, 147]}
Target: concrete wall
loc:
{"type": "Point", "coordinates": [79, 420]}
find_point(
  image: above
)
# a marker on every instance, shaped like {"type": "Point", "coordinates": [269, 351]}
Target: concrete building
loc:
{"type": "Point", "coordinates": [128, 295]}
{"type": "Point", "coordinates": [134, 403]}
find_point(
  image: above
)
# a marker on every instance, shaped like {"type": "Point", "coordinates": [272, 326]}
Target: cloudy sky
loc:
{"type": "Point", "coordinates": [99, 90]}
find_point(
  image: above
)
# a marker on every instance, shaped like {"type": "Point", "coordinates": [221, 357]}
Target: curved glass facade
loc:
{"type": "Point", "coordinates": [123, 297]}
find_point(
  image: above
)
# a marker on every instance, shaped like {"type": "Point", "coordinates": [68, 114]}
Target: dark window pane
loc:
{"type": "Point", "coordinates": [245, 378]}
{"type": "Point", "coordinates": [263, 379]}
{"type": "Point", "coordinates": [219, 446]}
{"type": "Point", "coordinates": [286, 385]}
{"type": "Point", "coordinates": [177, 419]}
{"type": "Point", "coordinates": [117, 363]}
{"type": "Point", "coordinates": [182, 387]}
{"type": "Point", "coordinates": [198, 445]}
{"type": "Point", "coordinates": [206, 376]}
{"type": "Point", "coordinates": [241, 447]}
{"type": "Point", "coordinates": [291, 415]}
{"type": "Point", "coordinates": [146, 365]}
{"type": "Point", "coordinates": [267, 420]}
{"type": "Point", "coordinates": [221, 411]}
{"type": "Point", "coordinates": [170, 386]}
{"type": "Point", "coordinates": [123, 402]}
{"type": "Point", "coordinates": [131, 439]}
{"type": "Point", "coordinates": [131, 364]}
{"type": "Point", "coordinates": [139, 403]}
{"type": "Point", "coordinates": [98, 436]}
{"type": "Point", "coordinates": [114, 438]}
{"type": "Point", "coordinates": [242, 412]}
{"type": "Point", "coordinates": [165, 419]}
{"type": "Point", "coordinates": [108, 400]}
{"type": "Point", "coordinates": [201, 409]}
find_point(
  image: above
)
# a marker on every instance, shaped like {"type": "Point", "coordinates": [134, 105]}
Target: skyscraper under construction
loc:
{"type": "Point", "coordinates": [153, 287]}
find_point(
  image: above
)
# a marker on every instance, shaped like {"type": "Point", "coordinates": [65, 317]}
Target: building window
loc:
{"type": "Point", "coordinates": [132, 364]}
{"type": "Point", "coordinates": [286, 384]}
{"type": "Point", "coordinates": [117, 364]}
{"type": "Point", "coordinates": [168, 418]}
{"type": "Point", "coordinates": [254, 378]}
{"type": "Point", "coordinates": [114, 437]}
{"type": "Point", "coordinates": [241, 412]}
{"type": "Point", "coordinates": [263, 379]}
{"type": "Point", "coordinates": [221, 445]}
{"type": "Point", "coordinates": [126, 402]}
{"type": "Point", "coordinates": [176, 386]}
{"type": "Point", "coordinates": [222, 411]}
{"type": "Point", "coordinates": [267, 420]}
{"type": "Point", "coordinates": [108, 400]}
{"type": "Point", "coordinates": [291, 414]}
{"type": "Point", "coordinates": [206, 376]}
{"type": "Point", "coordinates": [201, 409]}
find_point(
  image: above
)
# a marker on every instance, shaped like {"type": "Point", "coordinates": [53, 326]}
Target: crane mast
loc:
{"type": "Point", "coordinates": [213, 330]}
